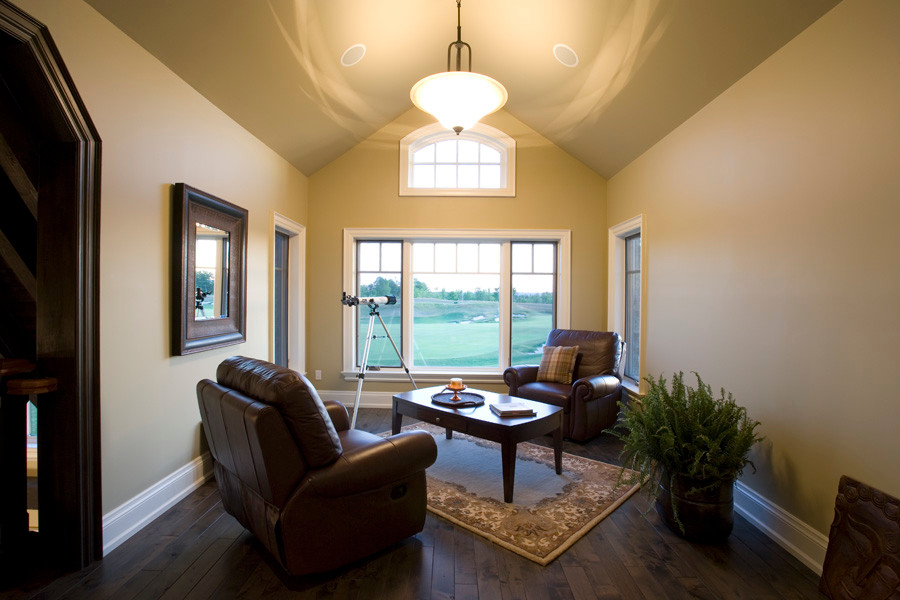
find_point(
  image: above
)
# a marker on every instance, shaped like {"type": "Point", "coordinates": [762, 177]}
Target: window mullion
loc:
{"type": "Point", "coordinates": [505, 328]}
{"type": "Point", "coordinates": [348, 316]}
{"type": "Point", "coordinates": [406, 314]}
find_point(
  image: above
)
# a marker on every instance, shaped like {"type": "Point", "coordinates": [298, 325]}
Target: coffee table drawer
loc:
{"type": "Point", "coordinates": [454, 422]}
{"type": "Point", "coordinates": [440, 418]}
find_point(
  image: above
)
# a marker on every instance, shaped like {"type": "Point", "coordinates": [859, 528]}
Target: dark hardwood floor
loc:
{"type": "Point", "coordinates": [196, 550]}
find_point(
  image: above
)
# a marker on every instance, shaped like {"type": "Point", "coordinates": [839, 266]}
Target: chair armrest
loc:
{"type": "Point", "coordinates": [519, 375]}
{"type": "Point", "coordinates": [372, 465]}
{"type": "Point", "coordinates": [597, 386]}
{"type": "Point", "coordinates": [338, 413]}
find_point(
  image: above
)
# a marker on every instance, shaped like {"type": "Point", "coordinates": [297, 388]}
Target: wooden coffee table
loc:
{"type": "Point", "coordinates": [482, 423]}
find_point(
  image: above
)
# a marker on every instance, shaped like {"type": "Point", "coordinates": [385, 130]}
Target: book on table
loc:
{"type": "Point", "coordinates": [512, 409]}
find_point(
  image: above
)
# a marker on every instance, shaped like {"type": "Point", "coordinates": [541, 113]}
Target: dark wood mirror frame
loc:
{"type": "Point", "coordinates": [189, 207]}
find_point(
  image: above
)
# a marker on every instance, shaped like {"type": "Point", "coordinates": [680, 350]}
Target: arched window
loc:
{"type": "Point", "coordinates": [435, 161]}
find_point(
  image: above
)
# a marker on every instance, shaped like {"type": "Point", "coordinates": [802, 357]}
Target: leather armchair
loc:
{"type": "Point", "coordinates": [316, 493]}
{"type": "Point", "coordinates": [590, 402]}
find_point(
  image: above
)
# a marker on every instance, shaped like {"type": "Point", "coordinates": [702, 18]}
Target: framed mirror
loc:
{"type": "Point", "coordinates": [209, 271]}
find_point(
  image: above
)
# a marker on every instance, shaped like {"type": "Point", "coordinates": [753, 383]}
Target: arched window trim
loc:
{"type": "Point", "coordinates": [481, 133]}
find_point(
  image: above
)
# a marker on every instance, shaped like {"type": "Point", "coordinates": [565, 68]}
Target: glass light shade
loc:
{"type": "Point", "coordinates": [458, 98]}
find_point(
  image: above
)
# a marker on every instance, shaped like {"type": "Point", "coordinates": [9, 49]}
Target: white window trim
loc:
{"type": "Point", "coordinates": [436, 130]}
{"type": "Point", "coordinates": [616, 290]}
{"type": "Point", "coordinates": [563, 239]}
{"type": "Point", "coordinates": [296, 292]}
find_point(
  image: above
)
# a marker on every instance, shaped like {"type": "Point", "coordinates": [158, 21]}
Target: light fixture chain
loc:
{"type": "Point", "coordinates": [458, 44]}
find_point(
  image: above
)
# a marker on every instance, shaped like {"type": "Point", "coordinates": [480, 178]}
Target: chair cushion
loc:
{"type": "Point", "coordinates": [600, 350]}
{"type": "Point", "coordinates": [557, 364]}
{"type": "Point", "coordinates": [557, 394]}
{"type": "Point", "coordinates": [294, 397]}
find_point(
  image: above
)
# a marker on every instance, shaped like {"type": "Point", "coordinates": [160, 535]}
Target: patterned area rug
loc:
{"type": "Point", "coordinates": [549, 512]}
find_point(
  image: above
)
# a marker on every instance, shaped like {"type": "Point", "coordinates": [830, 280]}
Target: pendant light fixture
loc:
{"type": "Point", "coordinates": [458, 98]}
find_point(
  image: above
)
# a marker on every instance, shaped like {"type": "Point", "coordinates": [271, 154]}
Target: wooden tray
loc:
{"type": "Point", "coordinates": [466, 399]}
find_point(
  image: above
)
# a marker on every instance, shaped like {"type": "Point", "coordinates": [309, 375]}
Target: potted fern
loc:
{"type": "Point", "coordinates": [687, 447]}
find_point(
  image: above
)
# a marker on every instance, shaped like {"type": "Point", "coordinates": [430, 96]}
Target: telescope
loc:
{"type": "Point", "coordinates": [371, 301]}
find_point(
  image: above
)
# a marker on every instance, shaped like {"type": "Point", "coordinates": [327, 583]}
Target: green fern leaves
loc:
{"type": "Point", "coordinates": [685, 432]}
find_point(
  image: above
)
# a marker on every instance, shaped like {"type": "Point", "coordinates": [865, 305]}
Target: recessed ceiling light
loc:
{"type": "Point", "coordinates": [353, 55]}
{"type": "Point", "coordinates": [565, 55]}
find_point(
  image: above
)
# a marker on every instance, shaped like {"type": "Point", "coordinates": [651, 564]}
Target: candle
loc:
{"type": "Point", "coordinates": [456, 383]}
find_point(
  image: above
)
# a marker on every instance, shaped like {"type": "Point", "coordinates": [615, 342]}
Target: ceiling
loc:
{"type": "Point", "coordinates": [645, 66]}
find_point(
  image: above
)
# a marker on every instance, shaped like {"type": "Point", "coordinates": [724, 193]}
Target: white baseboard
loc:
{"type": "Point", "coordinates": [366, 399]}
{"type": "Point", "coordinates": [807, 544]}
{"type": "Point", "coordinates": [127, 519]}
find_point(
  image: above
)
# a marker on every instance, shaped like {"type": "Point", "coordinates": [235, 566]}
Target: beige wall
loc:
{"type": "Point", "coordinates": [774, 257]}
{"type": "Point", "coordinates": [774, 267]}
{"type": "Point", "coordinates": [360, 189]}
{"type": "Point", "coordinates": [156, 130]}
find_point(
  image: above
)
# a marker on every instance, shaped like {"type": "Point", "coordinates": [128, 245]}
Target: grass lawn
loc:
{"type": "Point", "coordinates": [450, 334]}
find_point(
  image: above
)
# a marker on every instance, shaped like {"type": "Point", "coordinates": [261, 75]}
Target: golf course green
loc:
{"type": "Point", "coordinates": [458, 333]}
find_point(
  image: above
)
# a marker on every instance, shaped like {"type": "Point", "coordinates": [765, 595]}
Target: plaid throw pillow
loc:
{"type": "Point", "coordinates": [557, 364]}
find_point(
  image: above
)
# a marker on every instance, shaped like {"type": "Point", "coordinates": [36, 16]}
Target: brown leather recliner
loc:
{"type": "Point", "coordinates": [316, 493]}
{"type": "Point", "coordinates": [590, 401]}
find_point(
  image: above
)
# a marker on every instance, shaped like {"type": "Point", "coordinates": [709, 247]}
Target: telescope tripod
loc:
{"type": "Point", "coordinates": [361, 376]}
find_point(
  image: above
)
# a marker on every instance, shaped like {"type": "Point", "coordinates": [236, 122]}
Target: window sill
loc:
{"type": "Point", "coordinates": [428, 377]}
{"type": "Point", "coordinates": [632, 387]}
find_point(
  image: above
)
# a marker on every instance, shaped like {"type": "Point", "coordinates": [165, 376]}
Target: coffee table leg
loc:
{"type": "Point", "coordinates": [396, 419]}
{"type": "Point", "coordinates": [557, 449]}
{"type": "Point", "coordinates": [508, 453]}
{"type": "Point", "coordinates": [449, 434]}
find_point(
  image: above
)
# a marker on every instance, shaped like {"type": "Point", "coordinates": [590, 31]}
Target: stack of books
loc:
{"type": "Point", "coordinates": [511, 409]}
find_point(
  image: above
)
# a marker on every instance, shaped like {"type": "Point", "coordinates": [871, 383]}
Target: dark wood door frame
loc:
{"type": "Point", "coordinates": [67, 290]}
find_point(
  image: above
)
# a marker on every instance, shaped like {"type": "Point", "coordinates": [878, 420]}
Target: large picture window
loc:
{"type": "Point", "coordinates": [467, 301]}
{"type": "Point", "coordinates": [456, 304]}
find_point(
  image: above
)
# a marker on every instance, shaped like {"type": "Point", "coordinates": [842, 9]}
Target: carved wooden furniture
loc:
{"type": "Point", "coordinates": [863, 557]}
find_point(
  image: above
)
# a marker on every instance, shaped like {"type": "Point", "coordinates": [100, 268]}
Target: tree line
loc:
{"type": "Point", "coordinates": [389, 287]}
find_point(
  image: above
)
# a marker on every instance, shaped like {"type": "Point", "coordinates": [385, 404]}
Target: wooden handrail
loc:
{"type": "Point", "coordinates": [15, 366]}
{"type": "Point", "coordinates": [30, 387]}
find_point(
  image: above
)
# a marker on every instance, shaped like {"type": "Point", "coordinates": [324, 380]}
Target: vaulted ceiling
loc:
{"type": "Point", "coordinates": [644, 66]}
